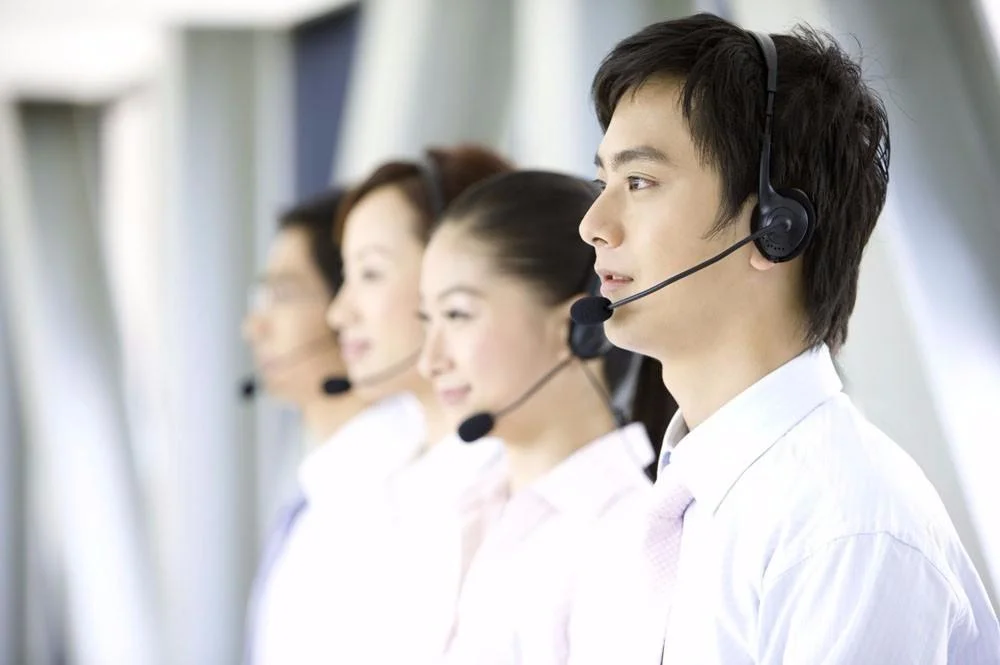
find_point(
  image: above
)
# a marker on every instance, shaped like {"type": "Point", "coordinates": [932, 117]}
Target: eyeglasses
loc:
{"type": "Point", "coordinates": [268, 294]}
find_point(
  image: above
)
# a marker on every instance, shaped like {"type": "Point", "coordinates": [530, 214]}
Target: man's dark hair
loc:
{"type": "Point", "coordinates": [316, 216]}
{"type": "Point", "coordinates": [831, 136]}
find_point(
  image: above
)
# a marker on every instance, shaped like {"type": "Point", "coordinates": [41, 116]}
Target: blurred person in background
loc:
{"type": "Point", "coordinates": [294, 351]}
{"type": "Point", "coordinates": [499, 276]}
{"type": "Point", "coordinates": [332, 608]}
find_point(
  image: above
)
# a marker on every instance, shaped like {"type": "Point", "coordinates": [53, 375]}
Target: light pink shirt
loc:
{"type": "Point", "coordinates": [443, 506]}
{"type": "Point", "coordinates": [515, 598]}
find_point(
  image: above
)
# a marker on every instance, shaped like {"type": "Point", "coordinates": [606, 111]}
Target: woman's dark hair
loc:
{"type": "Point", "coordinates": [431, 185]}
{"type": "Point", "coordinates": [315, 216]}
{"type": "Point", "coordinates": [529, 220]}
{"type": "Point", "coordinates": [831, 136]}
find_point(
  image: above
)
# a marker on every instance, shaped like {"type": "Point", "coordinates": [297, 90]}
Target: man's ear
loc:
{"type": "Point", "coordinates": [757, 260]}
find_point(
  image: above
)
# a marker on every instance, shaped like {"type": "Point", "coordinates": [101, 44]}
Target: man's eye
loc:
{"type": "Point", "coordinates": [636, 183]}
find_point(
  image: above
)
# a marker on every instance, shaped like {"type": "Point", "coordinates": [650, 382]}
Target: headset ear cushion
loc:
{"type": "Point", "coordinates": [782, 245]}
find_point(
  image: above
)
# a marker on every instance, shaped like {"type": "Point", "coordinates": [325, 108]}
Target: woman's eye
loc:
{"type": "Point", "coordinates": [456, 315]}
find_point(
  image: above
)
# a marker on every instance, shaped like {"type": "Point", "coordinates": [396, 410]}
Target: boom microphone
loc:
{"type": "Point", "coordinates": [337, 385]}
{"type": "Point", "coordinates": [594, 310]}
{"type": "Point", "coordinates": [249, 385]}
{"type": "Point", "coordinates": [480, 424]}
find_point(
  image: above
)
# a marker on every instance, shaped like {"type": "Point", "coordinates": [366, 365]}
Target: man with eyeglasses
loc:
{"type": "Point", "coordinates": [294, 352]}
{"type": "Point", "coordinates": [293, 346]}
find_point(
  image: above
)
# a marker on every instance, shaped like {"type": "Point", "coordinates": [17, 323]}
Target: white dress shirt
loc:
{"type": "Point", "coordinates": [514, 602]}
{"type": "Point", "coordinates": [320, 602]}
{"type": "Point", "coordinates": [812, 539]}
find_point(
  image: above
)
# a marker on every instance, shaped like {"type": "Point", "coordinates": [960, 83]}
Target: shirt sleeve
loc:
{"type": "Point", "coordinates": [866, 598]}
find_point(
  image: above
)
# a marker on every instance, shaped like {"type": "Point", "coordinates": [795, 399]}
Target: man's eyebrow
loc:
{"type": "Point", "coordinates": [642, 153]}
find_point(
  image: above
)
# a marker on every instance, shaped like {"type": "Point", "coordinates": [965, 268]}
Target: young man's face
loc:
{"type": "Point", "coordinates": [653, 220]}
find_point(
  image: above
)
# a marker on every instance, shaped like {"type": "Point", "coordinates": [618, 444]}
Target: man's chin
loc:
{"type": "Point", "coordinates": [619, 330]}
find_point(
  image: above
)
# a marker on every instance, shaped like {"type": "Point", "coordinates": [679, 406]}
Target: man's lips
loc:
{"type": "Point", "coordinates": [612, 281]}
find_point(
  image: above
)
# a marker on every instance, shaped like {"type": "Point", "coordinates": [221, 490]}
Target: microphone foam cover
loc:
{"type": "Point", "coordinates": [590, 311]}
{"type": "Point", "coordinates": [248, 388]}
{"type": "Point", "coordinates": [336, 385]}
{"type": "Point", "coordinates": [476, 427]}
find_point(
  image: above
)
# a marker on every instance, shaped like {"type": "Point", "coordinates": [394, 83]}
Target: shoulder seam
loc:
{"type": "Point", "coordinates": [956, 595]}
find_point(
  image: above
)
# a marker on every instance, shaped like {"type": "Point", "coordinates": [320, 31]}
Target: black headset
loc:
{"type": "Point", "coordinates": [430, 175]}
{"type": "Point", "coordinates": [790, 210]}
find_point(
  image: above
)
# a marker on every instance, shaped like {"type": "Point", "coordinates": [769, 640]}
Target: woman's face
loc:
{"type": "Point", "coordinates": [375, 312]}
{"type": "Point", "coordinates": [489, 337]}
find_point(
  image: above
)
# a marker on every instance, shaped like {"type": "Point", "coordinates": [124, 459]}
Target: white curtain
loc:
{"type": "Point", "coordinates": [83, 507]}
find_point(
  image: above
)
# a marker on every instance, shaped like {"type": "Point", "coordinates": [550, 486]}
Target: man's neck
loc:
{"type": "Point", "coordinates": [322, 417]}
{"type": "Point", "coordinates": [704, 382]}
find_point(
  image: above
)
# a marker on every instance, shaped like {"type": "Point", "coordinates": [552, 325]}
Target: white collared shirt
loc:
{"type": "Point", "coordinates": [321, 600]}
{"type": "Point", "coordinates": [812, 539]}
{"type": "Point", "coordinates": [514, 602]}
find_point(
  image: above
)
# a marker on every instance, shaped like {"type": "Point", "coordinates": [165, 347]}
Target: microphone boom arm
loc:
{"type": "Point", "coordinates": [690, 271]}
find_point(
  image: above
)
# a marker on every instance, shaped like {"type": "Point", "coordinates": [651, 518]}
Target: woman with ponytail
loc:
{"type": "Point", "coordinates": [499, 276]}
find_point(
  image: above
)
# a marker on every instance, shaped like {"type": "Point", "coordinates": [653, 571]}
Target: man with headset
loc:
{"type": "Point", "coordinates": [785, 528]}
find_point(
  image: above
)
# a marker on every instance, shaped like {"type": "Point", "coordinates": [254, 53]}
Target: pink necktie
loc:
{"type": "Point", "coordinates": [662, 547]}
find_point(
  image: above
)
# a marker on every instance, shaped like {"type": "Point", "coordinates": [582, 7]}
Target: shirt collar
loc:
{"type": "Point", "coordinates": [451, 468]}
{"type": "Point", "coordinates": [589, 479]}
{"type": "Point", "coordinates": [711, 458]}
{"type": "Point", "coordinates": [367, 449]}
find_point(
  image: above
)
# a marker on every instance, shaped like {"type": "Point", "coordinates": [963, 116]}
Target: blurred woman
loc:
{"type": "Point", "coordinates": [383, 227]}
{"type": "Point", "coordinates": [499, 276]}
{"type": "Point", "coordinates": [332, 607]}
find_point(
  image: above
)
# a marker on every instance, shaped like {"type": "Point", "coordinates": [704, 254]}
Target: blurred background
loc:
{"type": "Point", "coordinates": [145, 149]}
